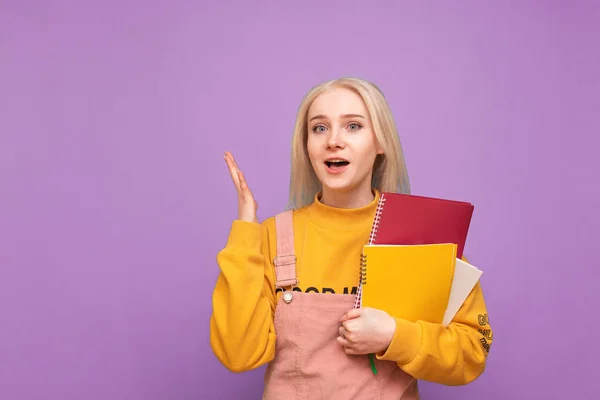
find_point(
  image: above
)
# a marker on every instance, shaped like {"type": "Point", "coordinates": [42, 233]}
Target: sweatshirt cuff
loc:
{"type": "Point", "coordinates": [245, 235]}
{"type": "Point", "coordinates": [405, 342]}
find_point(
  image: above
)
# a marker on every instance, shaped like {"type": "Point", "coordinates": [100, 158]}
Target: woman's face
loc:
{"type": "Point", "coordinates": [341, 145]}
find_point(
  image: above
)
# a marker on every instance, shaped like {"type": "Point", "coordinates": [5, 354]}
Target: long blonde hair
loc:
{"type": "Point", "coordinates": [389, 169]}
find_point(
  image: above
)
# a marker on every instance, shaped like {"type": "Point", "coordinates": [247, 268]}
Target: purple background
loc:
{"type": "Point", "coordinates": [115, 199]}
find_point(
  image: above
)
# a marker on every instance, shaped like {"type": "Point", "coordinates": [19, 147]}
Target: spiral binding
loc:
{"type": "Point", "coordinates": [363, 269]}
{"type": "Point", "coordinates": [376, 220]}
{"type": "Point", "coordinates": [363, 263]}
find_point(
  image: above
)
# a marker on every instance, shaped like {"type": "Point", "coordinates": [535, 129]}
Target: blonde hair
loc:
{"type": "Point", "coordinates": [389, 169]}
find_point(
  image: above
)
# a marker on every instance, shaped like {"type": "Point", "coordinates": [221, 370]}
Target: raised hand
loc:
{"type": "Point", "coordinates": [247, 206]}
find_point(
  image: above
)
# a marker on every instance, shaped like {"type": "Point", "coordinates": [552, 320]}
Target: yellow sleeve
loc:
{"type": "Point", "coordinates": [452, 355]}
{"type": "Point", "coordinates": [242, 332]}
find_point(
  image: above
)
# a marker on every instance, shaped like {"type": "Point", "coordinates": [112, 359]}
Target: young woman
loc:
{"type": "Point", "coordinates": [285, 294]}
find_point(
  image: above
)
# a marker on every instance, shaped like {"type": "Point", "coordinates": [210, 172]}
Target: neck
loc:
{"type": "Point", "coordinates": [347, 199]}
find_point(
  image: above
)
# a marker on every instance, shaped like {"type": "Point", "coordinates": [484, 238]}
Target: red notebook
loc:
{"type": "Point", "coordinates": [410, 219]}
{"type": "Point", "coordinates": [403, 219]}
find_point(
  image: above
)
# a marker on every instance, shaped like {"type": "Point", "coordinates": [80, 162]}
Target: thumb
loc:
{"type": "Point", "coordinates": [354, 313]}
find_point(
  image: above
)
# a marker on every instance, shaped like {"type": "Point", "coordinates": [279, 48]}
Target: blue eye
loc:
{"type": "Point", "coordinates": [354, 126]}
{"type": "Point", "coordinates": [316, 128]}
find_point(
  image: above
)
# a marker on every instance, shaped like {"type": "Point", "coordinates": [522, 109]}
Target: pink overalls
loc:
{"type": "Point", "coordinates": [309, 363]}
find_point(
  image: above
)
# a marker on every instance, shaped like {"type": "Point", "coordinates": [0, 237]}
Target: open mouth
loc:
{"type": "Point", "coordinates": [336, 164]}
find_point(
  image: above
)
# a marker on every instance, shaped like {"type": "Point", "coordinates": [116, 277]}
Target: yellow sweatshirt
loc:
{"type": "Point", "coordinates": [328, 243]}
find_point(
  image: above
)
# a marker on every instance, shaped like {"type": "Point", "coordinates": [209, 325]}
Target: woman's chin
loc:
{"type": "Point", "coordinates": [337, 185]}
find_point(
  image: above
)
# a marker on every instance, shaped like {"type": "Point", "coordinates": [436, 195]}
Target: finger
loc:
{"type": "Point", "coordinates": [231, 159]}
{"type": "Point", "coordinates": [354, 351]}
{"type": "Point", "coordinates": [351, 351]}
{"type": "Point", "coordinates": [233, 171]}
{"type": "Point", "coordinates": [344, 342]}
{"type": "Point", "coordinates": [348, 335]}
{"type": "Point", "coordinates": [231, 164]}
{"type": "Point", "coordinates": [354, 313]}
{"type": "Point", "coordinates": [349, 347]}
{"type": "Point", "coordinates": [245, 190]}
{"type": "Point", "coordinates": [349, 325]}
{"type": "Point", "coordinates": [243, 183]}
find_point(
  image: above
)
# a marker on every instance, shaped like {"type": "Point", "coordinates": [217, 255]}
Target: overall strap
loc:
{"type": "Point", "coordinates": [285, 260]}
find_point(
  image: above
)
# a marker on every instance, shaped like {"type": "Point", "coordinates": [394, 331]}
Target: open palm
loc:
{"type": "Point", "coordinates": [247, 206]}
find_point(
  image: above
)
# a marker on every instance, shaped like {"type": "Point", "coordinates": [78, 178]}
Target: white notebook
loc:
{"type": "Point", "coordinates": [465, 278]}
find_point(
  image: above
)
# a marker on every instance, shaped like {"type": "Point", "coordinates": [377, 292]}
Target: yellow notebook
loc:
{"type": "Point", "coordinates": [411, 282]}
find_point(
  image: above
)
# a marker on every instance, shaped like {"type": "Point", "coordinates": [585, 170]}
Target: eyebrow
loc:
{"type": "Point", "coordinates": [343, 116]}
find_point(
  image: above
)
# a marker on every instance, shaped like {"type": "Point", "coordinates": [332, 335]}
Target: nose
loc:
{"type": "Point", "coordinates": [335, 139]}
